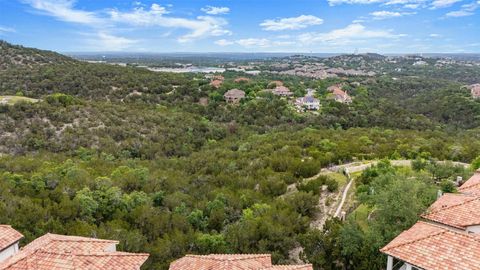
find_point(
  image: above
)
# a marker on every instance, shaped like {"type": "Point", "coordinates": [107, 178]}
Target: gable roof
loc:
{"type": "Point", "coordinates": [8, 236]}
{"type": "Point", "coordinates": [472, 186]}
{"type": "Point", "coordinates": [455, 210]}
{"type": "Point", "coordinates": [429, 246]}
{"type": "Point", "coordinates": [231, 262]}
{"type": "Point", "coordinates": [61, 252]}
{"type": "Point", "coordinates": [234, 93]}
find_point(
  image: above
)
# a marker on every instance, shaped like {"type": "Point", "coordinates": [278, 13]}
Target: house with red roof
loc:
{"type": "Point", "coordinates": [282, 91]}
{"type": "Point", "coordinates": [61, 252]}
{"type": "Point", "coordinates": [9, 239]}
{"type": "Point", "coordinates": [232, 262]}
{"type": "Point", "coordinates": [339, 95]}
{"type": "Point", "coordinates": [448, 237]}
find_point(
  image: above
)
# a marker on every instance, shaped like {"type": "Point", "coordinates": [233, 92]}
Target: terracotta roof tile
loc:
{"type": "Point", "coordinates": [456, 210]}
{"type": "Point", "coordinates": [231, 262]}
{"type": "Point", "coordinates": [8, 236]}
{"type": "Point", "coordinates": [430, 247]}
{"type": "Point", "coordinates": [59, 252]}
{"type": "Point", "coordinates": [472, 186]}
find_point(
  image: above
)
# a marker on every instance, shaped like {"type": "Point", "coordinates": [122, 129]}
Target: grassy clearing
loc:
{"type": "Point", "coordinates": [361, 216]}
{"type": "Point", "coordinates": [12, 100]}
{"type": "Point", "coordinates": [340, 178]}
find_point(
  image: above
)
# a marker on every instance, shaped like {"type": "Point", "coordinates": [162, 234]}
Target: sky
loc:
{"type": "Point", "coordinates": [319, 26]}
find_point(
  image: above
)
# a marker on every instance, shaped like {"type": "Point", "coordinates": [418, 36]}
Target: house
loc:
{"type": "Point", "coordinates": [9, 239]}
{"type": "Point", "coordinates": [308, 103]}
{"type": "Point", "coordinates": [232, 261]}
{"type": "Point", "coordinates": [475, 90]}
{"type": "Point", "coordinates": [60, 252]}
{"type": "Point", "coordinates": [242, 80]}
{"type": "Point", "coordinates": [446, 238]}
{"type": "Point", "coordinates": [282, 91]}
{"type": "Point", "coordinates": [339, 95]}
{"type": "Point", "coordinates": [234, 96]}
{"type": "Point", "coordinates": [216, 83]}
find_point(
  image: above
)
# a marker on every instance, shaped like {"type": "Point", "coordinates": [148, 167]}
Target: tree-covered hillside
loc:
{"type": "Point", "coordinates": [162, 163]}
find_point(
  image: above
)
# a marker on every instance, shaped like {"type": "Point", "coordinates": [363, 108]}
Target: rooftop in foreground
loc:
{"type": "Point", "coordinates": [232, 262]}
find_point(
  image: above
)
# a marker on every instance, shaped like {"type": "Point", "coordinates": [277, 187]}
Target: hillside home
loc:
{"type": "Point", "coordinates": [232, 261]}
{"type": "Point", "coordinates": [475, 90]}
{"type": "Point", "coordinates": [339, 95]}
{"type": "Point", "coordinates": [217, 81]}
{"type": "Point", "coordinates": [282, 91]}
{"type": "Point", "coordinates": [9, 239]}
{"type": "Point", "coordinates": [447, 238]}
{"type": "Point", "coordinates": [242, 80]}
{"type": "Point", "coordinates": [60, 252]}
{"type": "Point", "coordinates": [234, 95]}
{"type": "Point", "coordinates": [308, 103]}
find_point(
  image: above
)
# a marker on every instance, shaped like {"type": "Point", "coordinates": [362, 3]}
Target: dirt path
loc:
{"type": "Point", "coordinates": [331, 204]}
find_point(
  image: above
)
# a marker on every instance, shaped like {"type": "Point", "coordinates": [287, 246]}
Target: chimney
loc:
{"type": "Point", "coordinates": [439, 194]}
{"type": "Point", "coordinates": [459, 180]}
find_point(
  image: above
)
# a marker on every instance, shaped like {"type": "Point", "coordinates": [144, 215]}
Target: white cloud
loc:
{"type": "Point", "coordinates": [102, 41]}
{"type": "Point", "coordinates": [254, 42]}
{"type": "Point", "coordinates": [459, 13]}
{"type": "Point", "coordinates": [352, 33]}
{"type": "Point", "coordinates": [466, 10]}
{"type": "Point", "coordinates": [4, 29]}
{"type": "Point", "coordinates": [443, 3]}
{"type": "Point", "coordinates": [224, 42]}
{"type": "Point", "coordinates": [293, 23]}
{"type": "Point", "coordinates": [435, 35]}
{"type": "Point", "coordinates": [63, 10]}
{"type": "Point", "coordinates": [215, 10]}
{"type": "Point", "coordinates": [139, 16]}
{"type": "Point", "coordinates": [381, 15]}
{"type": "Point", "coordinates": [200, 27]}
{"type": "Point", "coordinates": [338, 2]}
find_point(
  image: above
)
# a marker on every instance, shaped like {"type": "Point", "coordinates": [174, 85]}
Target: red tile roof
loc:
{"type": "Point", "coordinates": [8, 236]}
{"type": "Point", "coordinates": [456, 210]}
{"type": "Point", "coordinates": [231, 262]}
{"type": "Point", "coordinates": [472, 186]}
{"type": "Point", "coordinates": [59, 252]}
{"type": "Point", "coordinates": [430, 247]}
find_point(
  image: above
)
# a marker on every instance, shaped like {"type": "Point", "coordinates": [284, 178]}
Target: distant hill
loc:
{"type": "Point", "coordinates": [15, 55]}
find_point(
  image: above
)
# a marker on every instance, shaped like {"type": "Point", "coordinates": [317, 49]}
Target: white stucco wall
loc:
{"type": "Point", "coordinates": [6, 253]}
{"type": "Point", "coordinates": [474, 229]}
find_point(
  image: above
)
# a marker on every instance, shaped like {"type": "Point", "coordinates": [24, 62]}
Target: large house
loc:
{"type": "Point", "coordinates": [475, 90]}
{"type": "Point", "coordinates": [232, 262]}
{"type": "Point", "coordinates": [60, 252]}
{"type": "Point", "coordinates": [448, 237]}
{"type": "Point", "coordinates": [234, 95]}
{"type": "Point", "coordinates": [217, 81]}
{"type": "Point", "coordinates": [308, 102]}
{"type": "Point", "coordinates": [339, 95]}
{"type": "Point", "coordinates": [282, 91]}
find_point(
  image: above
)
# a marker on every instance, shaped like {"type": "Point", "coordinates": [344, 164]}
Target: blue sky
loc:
{"type": "Point", "coordinates": [383, 26]}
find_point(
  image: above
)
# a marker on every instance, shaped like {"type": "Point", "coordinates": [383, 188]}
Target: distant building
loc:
{"type": "Point", "coordinates": [475, 90]}
{"type": "Point", "coordinates": [339, 95]}
{"type": "Point", "coordinates": [242, 79]}
{"type": "Point", "coordinates": [60, 252]}
{"type": "Point", "coordinates": [234, 96]}
{"type": "Point", "coordinates": [447, 238]}
{"type": "Point", "coordinates": [282, 91]}
{"type": "Point", "coordinates": [216, 83]}
{"type": "Point", "coordinates": [308, 103]}
{"type": "Point", "coordinates": [232, 262]}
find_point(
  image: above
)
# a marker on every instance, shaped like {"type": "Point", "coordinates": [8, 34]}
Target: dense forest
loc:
{"type": "Point", "coordinates": [129, 154]}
